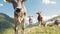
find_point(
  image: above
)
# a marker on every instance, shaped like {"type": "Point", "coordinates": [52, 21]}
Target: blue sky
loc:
{"type": "Point", "coordinates": [47, 7]}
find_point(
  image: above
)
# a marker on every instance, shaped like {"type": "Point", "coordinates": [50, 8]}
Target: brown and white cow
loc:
{"type": "Point", "coordinates": [39, 18]}
{"type": "Point", "coordinates": [49, 23]}
{"type": "Point", "coordinates": [19, 13]}
{"type": "Point", "coordinates": [53, 23]}
{"type": "Point", "coordinates": [30, 20]}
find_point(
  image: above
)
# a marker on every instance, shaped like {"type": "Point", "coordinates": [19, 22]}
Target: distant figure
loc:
{"type": "Point", "coordinates": [49, 23]}
{"type": "Point", "coordinates": [57, 22]}
{"type": "Point", "coordinates": [30, 20]}
{"type": "Point", "coordinates": [39, 18]}
{"type": "Point", "coordinates": [53, 23]}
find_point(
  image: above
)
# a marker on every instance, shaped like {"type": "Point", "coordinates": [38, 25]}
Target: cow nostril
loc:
{"type": "Point", "coordinates": [18, 9]}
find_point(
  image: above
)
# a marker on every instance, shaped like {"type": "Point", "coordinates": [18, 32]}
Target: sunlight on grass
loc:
{"type": "Point", "coordinates": [36, 30]}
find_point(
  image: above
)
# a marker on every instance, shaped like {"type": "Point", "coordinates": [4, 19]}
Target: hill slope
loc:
{"type": "Point", "coordinates": [55, 18]}
{"type": "Point", "coordinates": [6, 22]}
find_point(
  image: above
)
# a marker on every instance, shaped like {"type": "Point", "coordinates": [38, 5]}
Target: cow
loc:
{"type": "Point", "coordinates": [53, 23]}
{"type": "Point", "coordinates": [19, 13]}
{"type": "Point", "coordinates": [49, 23]}
{"type": "Point", "coordinates": [30, 20]}
{"type": "Point", "coordinates": [39, 18]}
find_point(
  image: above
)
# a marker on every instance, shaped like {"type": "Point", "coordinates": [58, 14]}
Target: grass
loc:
{"type": "Point", "coordinates": [6, 27]}
{"type": "Point", "coordinates": [35, 30]}
{"type": "Point", "coordinates": [43, 30]}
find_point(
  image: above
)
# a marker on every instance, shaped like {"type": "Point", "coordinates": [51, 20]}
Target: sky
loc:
{"type": "Point", "coordinates": [49, 8]}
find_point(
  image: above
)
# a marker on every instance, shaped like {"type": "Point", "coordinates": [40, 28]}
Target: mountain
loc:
{"type": "Point", "coordinates": [55, 18]}
{"type": "Point", "coordinates": [6, 22]}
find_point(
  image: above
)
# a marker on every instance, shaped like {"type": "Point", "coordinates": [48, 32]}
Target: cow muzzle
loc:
{"type": "Point", "coordinates": [18, 9]}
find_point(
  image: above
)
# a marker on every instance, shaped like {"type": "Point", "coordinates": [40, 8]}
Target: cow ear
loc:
{"type": "Point", "coordinates": [36, 13]}
{"type": "Point", "coordinates": [24, 0]}
{"type": "Point", "coordinates": [7, 1]}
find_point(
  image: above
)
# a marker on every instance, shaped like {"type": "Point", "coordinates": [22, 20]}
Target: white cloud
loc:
{"type": "Point", "coordinates": [48, 2]}
{"type": "Point", "coordinates": [52, 2]}
{"type": "Point", "coordinates": [12, 16]}
{"type": "Point", "coordinates": [4, 0]}
{"type": "Point", "coordinates": [34, 20]}
{"type": "Point", "coordinates": [48, 17]}
{"type": "Point", "coordinates": [27, 20]}
{"type": "Point", "coordinates": [1, 5]}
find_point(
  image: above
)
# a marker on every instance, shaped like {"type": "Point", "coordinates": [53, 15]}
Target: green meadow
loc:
{"type": "Point", "coordinates": [7, 27]}
{"type": "Point", "coordinates": [35, 30]}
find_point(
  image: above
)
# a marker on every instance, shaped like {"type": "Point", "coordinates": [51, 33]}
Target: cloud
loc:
{"type": "Point", "coordinates": [34, 20]}
{"type": "Point", "coordinates": [1, 5]}
{"type": "Point", "coordinates": [48, 17]}
{"type": "Point", "coordinates": [4, 0]}
{"type": "Point", "coordinates": [12, 16]}
{"type": "Point", "coordinates": [48, 2]}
